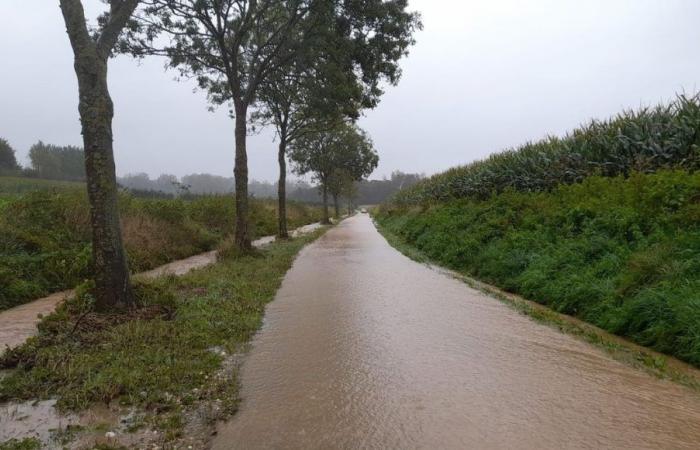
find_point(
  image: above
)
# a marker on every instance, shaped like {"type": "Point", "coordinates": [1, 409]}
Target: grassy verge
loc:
{"type": "Point", "coordinates": [162, 358]}
{"type": "Point", "coordinates": [45, 233]}
{"type": "Point", "coordinates": [621, 253]}
{"type": "Point", "coordinates": [652, 362]}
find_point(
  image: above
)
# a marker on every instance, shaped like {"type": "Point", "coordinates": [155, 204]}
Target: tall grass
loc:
{"type": "Point", "coordinates": [45, 235]}
{"type": "Point", "coordinates": [663, 137]}
{"type": "Point", "coordinates": [621, 253]}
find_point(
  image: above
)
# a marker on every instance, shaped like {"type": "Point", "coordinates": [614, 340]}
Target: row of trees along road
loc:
{"type": "Point", "coordinates": [327, 58]}
{"type": "Point", "coordinates": [337, 158]}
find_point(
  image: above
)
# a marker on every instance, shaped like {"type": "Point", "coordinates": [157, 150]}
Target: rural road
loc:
{"type": "Point", "coordinates": [364, 348]}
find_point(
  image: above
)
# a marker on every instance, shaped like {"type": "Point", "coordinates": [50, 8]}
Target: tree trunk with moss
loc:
{"type": "Point", "coordinates": [111, 273]}
{"type": "Point", "coordinates": [336, 206]}
{"type": "Point", "coordinates": [324, 191]}
{"type": "Point", "coordinates": [240, 172]}
{"type": "Point", "coordinates": [282, 190]}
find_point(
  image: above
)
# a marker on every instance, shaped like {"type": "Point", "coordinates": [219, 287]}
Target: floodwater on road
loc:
{"type": "Point", "coordinates": [364, 348]}
{"type": "Point", "coordinates": [41, 420]}
{"type": "Point", "coordinates": [19, 323]}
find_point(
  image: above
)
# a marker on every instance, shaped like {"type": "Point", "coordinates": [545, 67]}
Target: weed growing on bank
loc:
{"type": "Point", "coordinates": [21, 444]}
{"type": "Point", "coordinates": [620, 253]}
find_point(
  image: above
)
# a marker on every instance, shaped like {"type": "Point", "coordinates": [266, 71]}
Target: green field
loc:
{"type": "Point", "coordinates": [45, 232]}
{"type": "Point", "coordinates": [19, 185]}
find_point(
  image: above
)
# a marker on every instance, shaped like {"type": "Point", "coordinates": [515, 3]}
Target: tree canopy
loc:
{"type": "Point", "coordinates": [233, 47]}
{"type": "Point", "coordinates": [335, 157]}
{"type": "Point", "coordinates": [57, 162]}
{"type": "Point", "coordinates": [8, 160]}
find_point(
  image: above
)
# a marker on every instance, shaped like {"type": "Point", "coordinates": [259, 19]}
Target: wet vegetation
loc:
{"type": "Point", "coordinates": [45, 233]}
{"type": "Point", "coordinates": [165, 355]}
{"type": "Point", "coordinates": [663, 137]}
{"type": "Point", "coordinates": [619, 252]}
{"type": "Point", "coordinates": [21, 444]}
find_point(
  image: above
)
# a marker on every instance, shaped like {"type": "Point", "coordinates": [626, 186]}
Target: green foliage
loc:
{"type": "Point", "coordinates": [23, 444]}
{"type": "Point", "coordinates": [643, 141]}
{"type": "Point", "coordinates": [56, 162]}
{"type": "Point", "coordinates": [45, 235]}
{"type": "Point", "coordinates": [344, 152]}
{"type": "Point", "coordinates": [160, 356]}
{"type": "Point", "coordinates": [8, 161]}
{"type": "Point", "coordinates": [20, 185]}
{"type": "Point", "coordinates": [621, 253]}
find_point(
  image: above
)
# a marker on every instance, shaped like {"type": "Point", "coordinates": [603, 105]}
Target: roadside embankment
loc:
{"type": "Point", "coordinates": [622, 253]}
{"type": "Point", "coordinates": [162, 367]}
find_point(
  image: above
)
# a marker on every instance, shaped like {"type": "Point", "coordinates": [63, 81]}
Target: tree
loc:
{"type": "Point", "coordinates": [232, 46]}
{"type": "Point", "coordinates": [56, 162]}
{"type": "Point", "coordinates": [341, 184]}
{"type": "Point", "coordinates": [292, 102]}
{"type": "Point", "coordinates": [91, 50]}
{"type": "Point", "coordinates": [334, 157]}
{"type": "Point", "coordinates": [8, 161]}
{"type": "Point", "coordinates": [319, 88]}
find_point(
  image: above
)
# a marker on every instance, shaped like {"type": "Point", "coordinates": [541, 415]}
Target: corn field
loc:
{"type": "Point", "coordinates": [646, 140]}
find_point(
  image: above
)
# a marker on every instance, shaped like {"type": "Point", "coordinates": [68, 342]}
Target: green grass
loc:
{"type": "Point", "coordinates": [21, 185]}
{"type": "Point", "coordinates": [20, 444]}
{"type": "Point", "coordinates": [620, 253]}
{"type": "Point", "coordinates": [45, 234]}
{"type": "Point", "coordinates": [164, 356]}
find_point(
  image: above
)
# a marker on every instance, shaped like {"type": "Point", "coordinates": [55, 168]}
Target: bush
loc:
{"type": "Point", "coordinates": [621, 253]}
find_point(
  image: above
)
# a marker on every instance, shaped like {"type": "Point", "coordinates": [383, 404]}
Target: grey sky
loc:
{"type": "Point", "coordinates": [484, 75]}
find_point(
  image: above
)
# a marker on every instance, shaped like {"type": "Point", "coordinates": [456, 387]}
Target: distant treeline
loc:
{"type": "Point", "coordinates": [56, 162]}
{"type": "Point", "coordinates": [52, 162]}
{"type": "Point", "coordinates": [368, 192]}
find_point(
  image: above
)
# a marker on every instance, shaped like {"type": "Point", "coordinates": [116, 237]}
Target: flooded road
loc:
{"type": "Point", "coordinates": [19, 323]}
{"type": "Point", "coordinates": [364, 348]}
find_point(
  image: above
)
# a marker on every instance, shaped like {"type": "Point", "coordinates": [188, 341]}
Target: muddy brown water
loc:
{"type": "Point", "coordinates": [364, 348]}
{"type": "Point", "coordinates": [40, 419]}
{"type": "Point", "coordinates": [19, 323]}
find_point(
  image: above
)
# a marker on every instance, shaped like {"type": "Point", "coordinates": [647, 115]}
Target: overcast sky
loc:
{"type": "Point", "coordinates": [484, 75]}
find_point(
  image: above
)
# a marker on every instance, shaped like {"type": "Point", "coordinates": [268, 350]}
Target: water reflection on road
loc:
{"type": "Point", "coordinates": [364, 348]}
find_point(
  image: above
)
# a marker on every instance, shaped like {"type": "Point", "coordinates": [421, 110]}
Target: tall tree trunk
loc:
{"type": "Point", "coordinates": [112, 283]}
{"type": "Point", "coordinates": [240, 171]}
{"type": "Point", "coordinates": [324, 190]}
{"type": "Point", "coordinates": [336, 206]}
{"type": "Point", "coordinates": [282, 190]}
